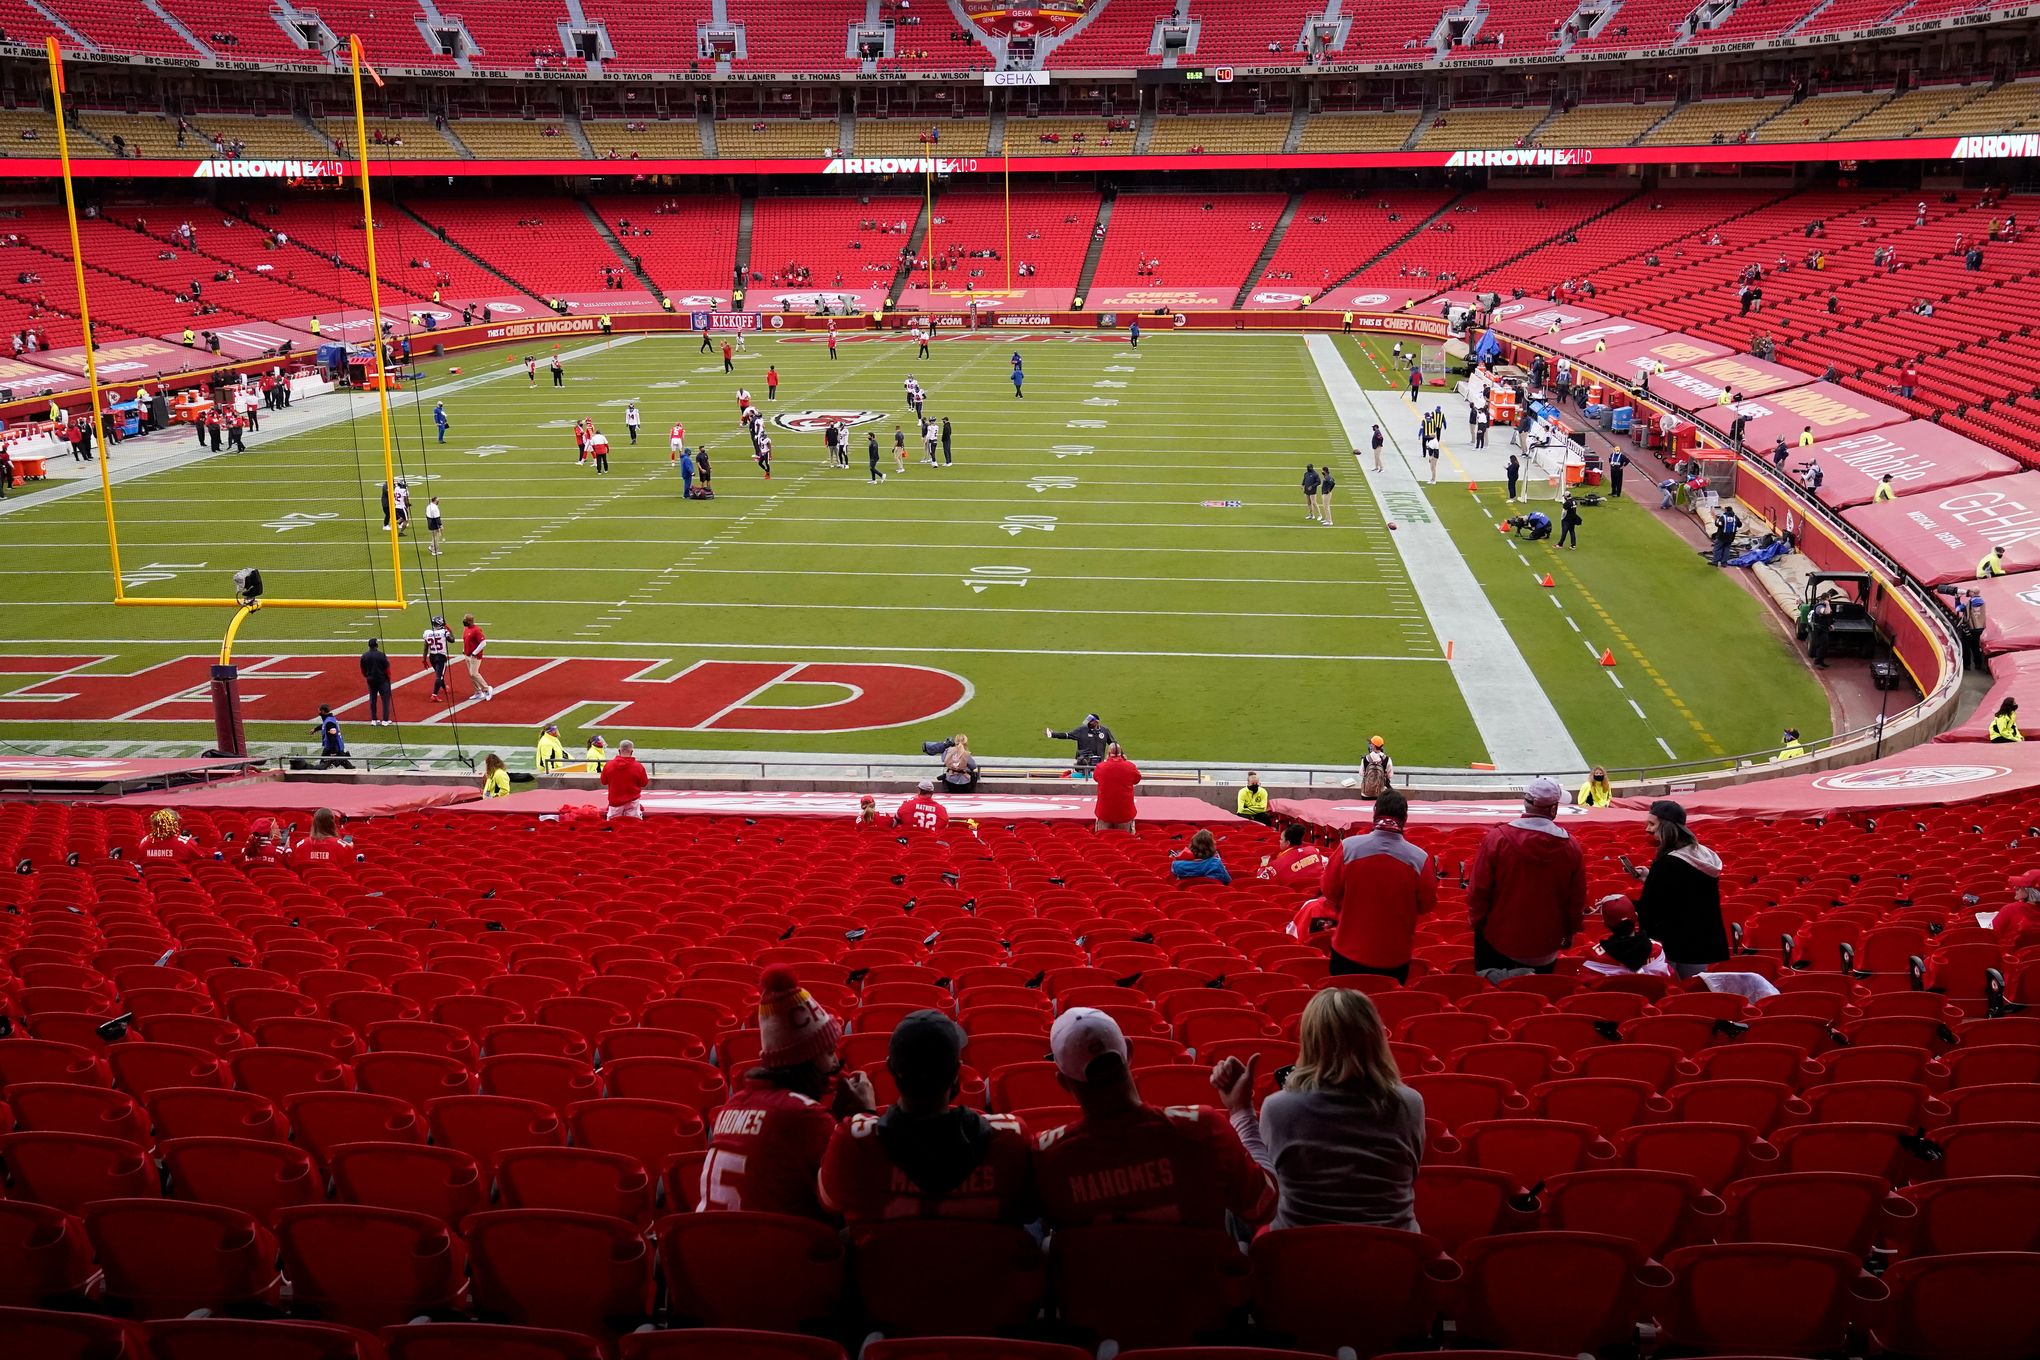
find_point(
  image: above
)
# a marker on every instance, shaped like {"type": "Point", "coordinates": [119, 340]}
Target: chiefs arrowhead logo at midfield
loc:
{"type": "Point", "coordinates": [814, 422]}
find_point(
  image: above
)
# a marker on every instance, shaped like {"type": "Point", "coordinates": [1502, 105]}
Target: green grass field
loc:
{"type": "Point", "coordinates": [1071, 560]}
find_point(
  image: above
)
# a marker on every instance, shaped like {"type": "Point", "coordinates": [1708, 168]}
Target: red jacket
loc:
{"type": "Point", "coordinates": [1379, 884]}
{"type": "Point", "coordinates": [625, 778]}
{"type": "Point", "coordinates": [921, 813]}
{"type": "Point", "coordinates": [1529, 889]}
{"type": "Point", "coordinates": [1115, 777]}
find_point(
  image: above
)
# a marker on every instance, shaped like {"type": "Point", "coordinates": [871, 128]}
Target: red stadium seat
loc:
{"type": "Point", "coordinates": [485, 1341]}
{"type": "Point", "coordinates": [370, 1267]}
{"type": "Point", "coordinates": [736, 1269]}
{"type": "Point", "coordinates": [1834, 1210]}
{"type": "Point", "coordinates": [243, 1339]}
{"type": "Point", "coordinates": [441, 1182]}
{"type": "Point", "coordinates": [1302, 1290]}
{"type": "Point", "coordinates": [43, 1334]}
{"type": "Point", "coordinates": [323, 1120]}
{"type": "Point", "coordinates": [556, 1268]}
{"type": "Point", "coordinates": [69, 1170]}
{"type": "Point", "coordinates": [1147, 1285]}
{"type": "Point", "coordinates": [1974, 1213]}
{"type": "Point", "coordinates": [1754, 1297]}
{"type": "Point", "coordinates": [45, 1259]}
{"type": "Point", "coordinates": [1455, 1204]}
{"type": "Point", "coordinates": [936, 1278]}
{"type": "Point", "coordinates": [1655, 1210]}
{"type": "Point", "coordinates": [713, 1343]}
{"type": "Point", "coordinates": [1963, 1306]}
{"type": "Point", "coordinates": [256, 1176]}
{"type": "Point", "coordinates": [164, 1258]}
{"type": "Point", "coordinates": [586, 1180]}
{"type": "Point", "coordinates": [1555, 1292]}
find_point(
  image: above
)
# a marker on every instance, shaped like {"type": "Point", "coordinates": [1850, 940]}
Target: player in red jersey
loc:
{"type": "Point", "coordinates": [765, 1147]}
{"type": "Point", "coordinates": [922, 812]}
{"type": "Point", "coordinates": [927, 1156]}
{"type": "Point", "coordinates": [166, 842]}
{"type": "Point", "coordinates": [1125, 1162]}
{"type": "Point", "coordinates": [677, 441]}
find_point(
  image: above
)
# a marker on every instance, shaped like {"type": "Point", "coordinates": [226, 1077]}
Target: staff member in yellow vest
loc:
{"type": "Point", "coordinates": [597, 754]}
{"type": "Point", "coordinates": [551, 753]}
{"type": "Point", "coordinates": [1806, 436]}
{"type": "Point", "coordinates": [1253, 800]}
{"type": "Point", "coordinates": [1596, 792]}
{"type": "Point", "coordinates": [1885, 490]}
{"type": "Point", "coordinates": [314, 328]}
{"type": "Point", "coordinates": [1790, 749]}
{"type": "Point", "coordinates": [1347, 323]}
{"type": "Point", "coordinates": [1992, 565]}
{"type": "Point", "coordinates": [2005, 725]}
{"type": "Point", "coordinates": [495, 778]}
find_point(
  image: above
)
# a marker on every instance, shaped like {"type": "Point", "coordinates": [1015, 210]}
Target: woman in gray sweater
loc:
{"type": "Point", "coordinates": [1343, 1136]}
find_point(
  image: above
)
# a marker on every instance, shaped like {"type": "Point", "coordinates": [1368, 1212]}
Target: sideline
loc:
{"type": "Point", "coordinates": [1521, 730]}
{"type": "Point", "coordinates": [277, 423]}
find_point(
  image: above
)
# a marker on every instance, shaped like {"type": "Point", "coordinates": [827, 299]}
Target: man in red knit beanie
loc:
{"type": "Point", "coordinates": [765, 1146]}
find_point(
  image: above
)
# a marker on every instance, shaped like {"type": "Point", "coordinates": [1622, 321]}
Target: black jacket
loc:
{"type": "Point", "coordinates": [1091, 743]}
{"type": "Point", "coordinates": [1680, 906]}
{"type": "Point", "coordinates": [375, 667]}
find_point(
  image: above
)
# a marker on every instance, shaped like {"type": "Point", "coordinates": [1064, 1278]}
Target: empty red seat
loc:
{"type": "Point", "coordinates": [1753, 1297]}
{"type": "Point", "coordinates": [370, 1267]}
{"type": "Point", "coordinates": [1556, 1292]}
{"type": "Point", "coordinates": [587, 1180]}
{"type": "Point", "coordinates": [257, 1176]}
{"type": "Point", "coordinates": [1963, 1306]}
{"type": "Point", "coordinates": [1974, 1213]}
{"type": "Point", "coordinates": [166, 1258]}
{"type": "Point", "coordinates": [69, 1170]}
{"type": "Point", "coordinates": [486, 1341]}
{"type": "Point", "coordinates": [943, 1278]}
{"type": "Point", "coordinates": [739, 1269]}
{"type": "Point", "coordinates": [557, 1268]}
{"type": "Point", "coordinates": [444, 1183]}
{"type": "Point", "coordinates": [244, 1339]}
{"type": "Point", "coordinates": [1302, 1292]}
{"type": "Point", "coordinates": [45, 1259]}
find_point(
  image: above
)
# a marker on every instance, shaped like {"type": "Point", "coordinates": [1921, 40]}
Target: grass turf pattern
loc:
{"type": "Point", "coordinates": [1200, 631]}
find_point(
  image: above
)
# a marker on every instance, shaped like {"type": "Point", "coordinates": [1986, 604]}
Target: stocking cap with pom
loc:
{"type": "Point", "coordinates": [792, 1024]}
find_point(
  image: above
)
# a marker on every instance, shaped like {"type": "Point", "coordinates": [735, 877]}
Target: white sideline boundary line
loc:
{"type": "Point", "coordinates": [1516, 720]}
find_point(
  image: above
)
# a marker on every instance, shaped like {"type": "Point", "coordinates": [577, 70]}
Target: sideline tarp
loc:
{"type": "Point", "coordinates": [1939, 536]}
{"type": "Point", "coordinates": [1924, 776]}
{"type": "Point", "coordinates": [1699, 385]}
{"type": "Point", "coordinates": [1529, 321]}
{"type": "Point", "coordinates": [1670, 349]}
{"type": "Point", "coordinates": [2015, 675]}
{"type": "Point", "coordinates": [1289, 295]}
{"type": "Point", "coordinates": [1829, 410]}
{"type": "Point", "coordinates": [1344, 815]}
{"type": "Point", "coordinates": [1919, 455]}
{"type": "Point", "coordinates": [1577, 342]}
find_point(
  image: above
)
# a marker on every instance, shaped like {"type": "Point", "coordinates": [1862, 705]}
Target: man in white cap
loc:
{"type": "Point", "coordinates": [1528, 894]}
{"type": "Point", "coordinates": [765, 1147]}
{"type": "Point", "coordinates": [1125, 1162]}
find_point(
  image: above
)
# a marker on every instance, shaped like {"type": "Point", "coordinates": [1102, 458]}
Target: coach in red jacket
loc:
{"type": "Point", "coordinates": [625, 778]}
{"type": "Point", "coordinates": [1378, 886]}
{"type": "Point", "coordinates": [1528, 896]}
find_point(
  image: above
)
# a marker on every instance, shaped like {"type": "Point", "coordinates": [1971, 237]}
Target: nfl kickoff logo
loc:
{"type": "Point", "coordinates": [814, 422]}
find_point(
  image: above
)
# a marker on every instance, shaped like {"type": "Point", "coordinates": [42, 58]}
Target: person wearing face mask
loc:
{"type": "Point", "coordinates": [1253, 801]}
{"type": "Point", "coordinates": [1092, 739]}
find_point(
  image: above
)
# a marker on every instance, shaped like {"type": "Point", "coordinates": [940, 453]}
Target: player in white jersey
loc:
{"type": "Point", "coordinates": [437, 641]}
{"type": "Point", "coordinates": [631, 420]}
{"type": "Point", "coordinates": [400, 501]}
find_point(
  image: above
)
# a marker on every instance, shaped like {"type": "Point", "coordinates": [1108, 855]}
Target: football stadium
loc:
{"type": "Point", "coordinates": [1019, 682]}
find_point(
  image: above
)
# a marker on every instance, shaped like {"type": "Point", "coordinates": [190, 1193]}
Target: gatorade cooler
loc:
{"type": "Point", "coordinates": [1502, 406]}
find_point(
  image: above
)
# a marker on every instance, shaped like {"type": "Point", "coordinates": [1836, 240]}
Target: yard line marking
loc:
{"type": "Point", "coordinates": [1670, 754]}
{"type": "Point", "coordinates": [1639, 710]}
{"type": "Point", "coordinates": [1574, 622]}
{"type": "Point", "coordinates": [1591, 650]}
{"type": "Point", "coordinates": [1616, 678]}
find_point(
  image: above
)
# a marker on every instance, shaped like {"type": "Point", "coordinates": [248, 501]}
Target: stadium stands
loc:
{"type": "Point", "coordinates": [692, 245]}
{"type": "Point", "coordinates": [808, 37]}
{"type": "Point", "coordinates": [1713, 122]}
{"type": "Point", "coordinates": [542, 138]}
{"type": "Point", "coordinates": [736, 138]}
{"type": "Point", "coordinates": [1481, 128]}
{"type": "Point", "coordinates": [1246, 32]}
{"type": "Point", "coordinates": [1600, 124]}
{"type": "Point", "coordinates": [651, 35]}
{"type": "Point", "coordinates": [1219, 134]}
{"type": "Point", "coordinates": [1909, 114]}
{"type": "Point", "coordinates": [514, 37]}
{"type": "Point", "coordinates": [1523, 28]}
{"type": "Point", "coordinates": [273, 135]}
{"type": "Point", "coordinates": [546, 244]}
{"type": "Point", "coordinates": [1181, 240]}
{"type": "Point", "coordinates": [1821, 117]}
{"type": "Point", "coordinates": [238, 30]}
{"type": "Point", "coordinates": [1577, 1125]}
{"type": "Point", "coordinates": [1759, 18]}
{"type": "Point", "coordinates": [1480, 231]}
{"type": "Point", "coordinates": [111, 24]}
{"type": "Point", "coordinates": [1118, 33]}
{"type": "Point", "coordinates": [1333, 233]}
{"type": "Point", "coordinates": [1641, 24]}
{"type": "Point", "coordinates": [390, 34]}
{"type": "Point", "coordinates": [33, 132]}
{"type": "Point", "coordinates": [1396, 35]}
{"type": "Point", "coordinates": [921, 137]}
{"type": "Point", "coordinates": [828, 238]}
{"type": "Point", "coordinates": [392, 139]}
{"type": "Point", "coordinates": [1051, 231]}
{"type": "Point", "coordinates": [628, 139]}
{"type": "Point", "coordinates": [1052, 136]}
{"type": "Point", "coordinates": [1358, 131]}
{"type": "Point", "coordinates": [2009, 107]}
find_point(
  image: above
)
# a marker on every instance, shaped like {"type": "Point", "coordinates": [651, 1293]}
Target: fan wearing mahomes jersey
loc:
{"type": "Point", "coordinates": [765, 1147]}
{"type": "Point", "coordinates": [167, 842]}
{"type": "Point", "coordinates": [1126, 1162]}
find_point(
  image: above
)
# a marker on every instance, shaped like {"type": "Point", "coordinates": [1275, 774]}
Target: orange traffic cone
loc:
{"type": "Point", "coordinates": [1473, 486]}
{"type": "Point", "coordinates": [1608, 657]}
{"type": "Point", "coordinates": [1547, 582]}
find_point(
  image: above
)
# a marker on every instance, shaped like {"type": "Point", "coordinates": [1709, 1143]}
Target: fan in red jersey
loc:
{"type": "Point", "coordinates": [268, 843]}
{"type": "Point", "coordinates": [325, 848]}
{"type": "Point", "coordinates": [765, 1146]}
{"type": "Point", "coordinates": [922, 812]}
{"type": "Point", "coordinates": [166, 842]}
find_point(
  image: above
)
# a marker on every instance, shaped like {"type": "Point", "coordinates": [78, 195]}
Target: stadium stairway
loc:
{"type": "Point", "coordinates": [915, 239]}
{"type": "Point", "coordinates": [1397, 244]}
{"type": "Point", "coordinates": [486, 266]}
{"type": "Point", "coordinates": [628, 260]}
{"type": "Point", "coordinates": [1260, 265]}
{"type": "Point", "coordinates": [1106, 199]}
{"type": "Point", "coordinates": [747, 213]}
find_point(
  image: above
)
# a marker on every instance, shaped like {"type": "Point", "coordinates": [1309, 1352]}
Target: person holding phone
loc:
{"type": "Point", "coordinates": [1342, 1134]}
{"type": "Point", "coordinates": [1680, 904]}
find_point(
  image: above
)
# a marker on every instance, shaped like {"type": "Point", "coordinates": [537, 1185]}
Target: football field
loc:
{"type": "Point", "coordinates": [1128, 539]}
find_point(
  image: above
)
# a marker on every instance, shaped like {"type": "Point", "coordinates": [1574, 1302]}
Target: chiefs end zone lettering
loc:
{"type": "Point", "coordinates": [708, 696]}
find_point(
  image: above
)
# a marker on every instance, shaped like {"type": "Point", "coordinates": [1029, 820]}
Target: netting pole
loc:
{"type": "Point", "coordinates": [382, 377]}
